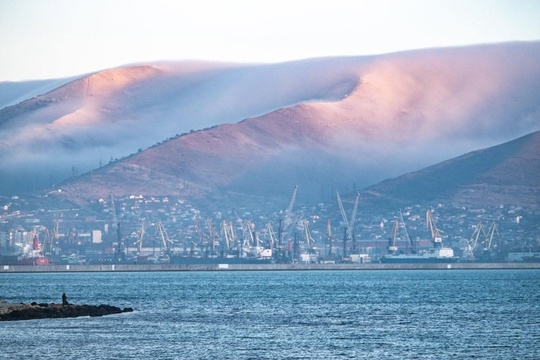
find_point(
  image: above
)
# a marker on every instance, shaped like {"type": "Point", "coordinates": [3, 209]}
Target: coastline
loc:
{"type": "Point", "coordinates": [261, 267]}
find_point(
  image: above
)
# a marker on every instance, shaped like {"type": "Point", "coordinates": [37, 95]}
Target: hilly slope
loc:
{"type": "Point", "coordinates": [507, 174]}
{"type": "Point", "coordinates": [323, 124]}
{"type": "Point", "coordinates": [327, 146]}
{"type": "Point", "coordinates": [116, 112]}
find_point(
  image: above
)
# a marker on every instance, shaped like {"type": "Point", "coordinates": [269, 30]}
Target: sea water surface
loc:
{"type": "Point", "coordinates": [437, 314]}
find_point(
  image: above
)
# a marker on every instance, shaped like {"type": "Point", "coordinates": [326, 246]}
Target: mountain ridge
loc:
{"type": "Point", "coordinates": [328, 123]}
{"type": "Point", "coordinates": [505, 174]}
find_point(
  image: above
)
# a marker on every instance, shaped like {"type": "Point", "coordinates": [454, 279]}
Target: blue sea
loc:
{"type": "Point", "coordinates": [360, 314]}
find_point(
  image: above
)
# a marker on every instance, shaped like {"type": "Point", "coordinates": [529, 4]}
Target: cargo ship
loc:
{"type": "Point", "coordinates": [35, 256]}
{"type": "Point", "coordinates": [436, 255]}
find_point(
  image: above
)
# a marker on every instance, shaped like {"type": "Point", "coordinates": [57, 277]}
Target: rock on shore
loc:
{"type": "Point", "coordinates": [49, 311]}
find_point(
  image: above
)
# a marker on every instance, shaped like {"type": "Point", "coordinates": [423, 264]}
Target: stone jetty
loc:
{"type": "Point", "coordinates": [11, 312]}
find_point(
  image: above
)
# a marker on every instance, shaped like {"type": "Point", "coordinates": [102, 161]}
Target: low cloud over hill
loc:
{"type": "Point", "coordinates": [324, 124]}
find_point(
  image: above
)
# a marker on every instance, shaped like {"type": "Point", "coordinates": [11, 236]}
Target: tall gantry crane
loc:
{"type": "Point", "coordinates": [286, 221]}
{"type": "Point", "coordinates": [227, 230]}
{"type": "Point", "coordinates": [309, 239]}
{"type": "Point", "coordinates": [432, 228]}
{"type": "Point", "coordinates": [271, 235]}
{"type": "Point", "coordinates": [139, 241]}
{"type": "Point", "coordinates": [121, 250]}
{"type": "Point", "coordinates": [330, 237]}
{"type": "Point", "coordinates": [399, 223]}
{"type": "Point", "coordinates": [288, 212]}
{"type": "Point", "coordinates": [349, 225]}
{"type": "Point", "coordinates": [410, 245]}
{"type": "Point", "coordinates": [392, 246]}
{"type": "Point", "coordinates": [211, 234]}
{"type": "Point", "coordinates": [165, 241]}
{"type": "Point", "coordinates": [489, 236]}
{"type": "Point", "coordinates": [472, 243]}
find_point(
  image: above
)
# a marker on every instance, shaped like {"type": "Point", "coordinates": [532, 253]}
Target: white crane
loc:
{"type": "Point", "coordinates": [472, 243]}
{"type": "Point", "coordinates": [271, 234]}
{"type": "Point", "coordinates": [287, 220]}
{"type": "Point", "coordinates": [432, 227]}
{"type": "Point", "coordinates": [489, 236]}
{"type": "Point", "coordinates": [407, 237]}
{"type": "Point", "coordinates": [140, 238]}
{"type": "Point", "coordinates": [309, 239]}
{"type": "Point", "coordinates": [165, 241]}
{"type": "Point", "coordinates": [349, 225]}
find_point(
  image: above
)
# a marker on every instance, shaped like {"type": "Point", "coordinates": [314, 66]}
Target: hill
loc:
{"type": "Point", "coordinates": [323, 124]}
{"type": "Point", "coordinates": [507, 174]}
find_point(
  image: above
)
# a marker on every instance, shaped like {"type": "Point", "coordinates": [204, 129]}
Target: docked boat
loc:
{"type": "Point", "coordinates": [185, 260]}
{"type": "Point", "coordinates": [37, 260]}
{"type": "Point", "coordinates": [35, 256]}
{"type": "Point", "coordinates": [436, 255]}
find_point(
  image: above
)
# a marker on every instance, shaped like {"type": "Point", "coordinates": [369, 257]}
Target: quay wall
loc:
{"type": "Point", "coordinates": [259, 267]}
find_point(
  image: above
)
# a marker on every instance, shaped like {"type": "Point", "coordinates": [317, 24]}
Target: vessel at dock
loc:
{"type": "Point", "coordinates": [35, 256]}
{"type": "Point", "coordinates": [438, 255]}
{"type": "Point", "coordinates": [186, 260]}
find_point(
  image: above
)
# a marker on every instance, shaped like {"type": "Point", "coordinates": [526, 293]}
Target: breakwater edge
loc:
{"type": "Point", "coordinates": [260, 267]}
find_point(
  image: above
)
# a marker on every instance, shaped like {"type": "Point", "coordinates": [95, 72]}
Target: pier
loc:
{"type": "Point", "coordinates": [261, 267]}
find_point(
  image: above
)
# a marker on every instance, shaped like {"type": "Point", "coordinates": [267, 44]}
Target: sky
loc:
{"type": "Point", "coordinates": [42, 39]}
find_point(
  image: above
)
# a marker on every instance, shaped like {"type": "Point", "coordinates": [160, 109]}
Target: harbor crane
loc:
{"type": "Point", "coordinates": [432, 228]}
{"type": "Point", "coordinates": [165, 241]}
{"type": "Point", "coordinates": [271, 234]}
{"type": "Point", "coordinates": [286, 221]}
{"type": "Point", "coordinates": [227, 229]}
{"type": "Point", "coordinates": [120, 250]}
{"type": "Point", "coordinates": [309, 239]}
{"type": "Point", "coordinates": [198, 229]}
{"type": "Point", "coordinates": [410, 244]}
{"type": "Point", "coordinates": [330, 237]}
{"type": "Point", "coordinates": [473, 242]}
{"type": "Point", "coordinates": [349, 225]}
{"type": "Point", "coordinates": [211, 234]}
{"type": "Point", "coordinates": [392, 244]}
{"type": "Point", "coordinates": [139, 241]}
{"type": "Point", "coordinates": [251, 238]}
{"type": "Point", "coordinates": [238, 218]}
{"type": "Point", "coordinates": [489, 236]}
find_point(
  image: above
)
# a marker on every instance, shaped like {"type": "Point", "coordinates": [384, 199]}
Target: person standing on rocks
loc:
{"type": "Point", "coordinates": [64, 300]}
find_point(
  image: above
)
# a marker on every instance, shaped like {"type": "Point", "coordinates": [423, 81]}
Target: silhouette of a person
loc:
{"type": "Point", "coordinates": [64, 299]}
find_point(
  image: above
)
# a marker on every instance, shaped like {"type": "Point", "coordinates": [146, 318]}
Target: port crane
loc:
{"type": "Point", "coordinates": [286, 221]}
{"type": "Point", "coordinates": [139, 241]}
{"type": "Point", "coordinates": [271, 234]}
{"type": "Point", "coordinates": [392, 246]}
{"type": "Point", "coordinates": [472, 243]}
{"type": "Point", "coordinates": [399, 223]}
{"type": "Point", "coordinates": [309, 239]}
{"type": "Point", "coordinates": [330, 237]}
{"type": "Point", "coordinates": [432, 228]}
{"type": "Point", "coordinates": [349, 225]}
{"type": "Point", "coordinates": [410, 244]}
{"type": "Point", "coordinates": [227, 229]}
{"type": "Point", "coordinates": [165, 241]}
{"type": "Point", "coordinates": [489, 236]}
{"type": "Point", "coordinates": [120, 250]}
{"type": "Point", "coordinates": [211, 234]}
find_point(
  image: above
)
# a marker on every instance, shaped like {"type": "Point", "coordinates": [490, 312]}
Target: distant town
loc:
{"type": "Point", "coordinates": [146, 230]}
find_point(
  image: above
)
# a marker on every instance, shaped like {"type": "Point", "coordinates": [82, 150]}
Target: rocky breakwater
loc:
{"type": "Point", "coordinates": [11, 312]}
